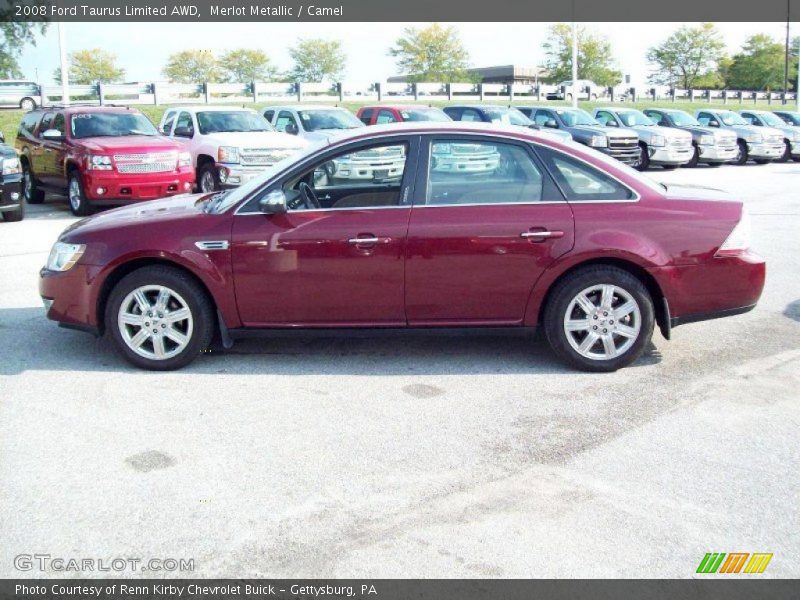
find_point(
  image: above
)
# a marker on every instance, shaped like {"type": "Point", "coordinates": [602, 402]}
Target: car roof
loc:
{"type": "Point", "coordinates": [207, 108]}
{"type": "Point", "coordinates": [478, 106]}
{"type": "Point", "coordinates": [75, 109]}
{"type": "Point", "coordinates": [401, 106]}
{"type": "Point", "coordinates": [303, 107]}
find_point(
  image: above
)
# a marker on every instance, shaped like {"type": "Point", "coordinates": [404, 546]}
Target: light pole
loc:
{"type": "Point", "coordinates": [786, 54]}
{"type": "Point", "coordinates": [62, 48]}
{"type": "Point", "coordinates": [574, 62]}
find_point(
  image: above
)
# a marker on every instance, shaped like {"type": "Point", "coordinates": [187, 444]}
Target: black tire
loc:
{"type": "Point", "coordinates": [27, 104]}
{"type": "Point", "coordinates": [208, 172]}
{"type": "Point", "coordinates": [30, 191]}
{"type": "Point", "coordinates": [78, 202]}
{"type": "Point", "coordinates": [196, 298]}
{"type": "Point", "coordinates": [567, 289]}
{"type": "Point", "coordinates": [644, 158]}
{"type": "Point", "coordinates": [714, 164]}
{"type": "Point", "coordinates": [695, 159]}
{"type": "Point", "coordinates": [742, 157]}
{"type": "Point", "coordinates": [13, 216]}
{"type": "Point", "coordinates": [787, 152]}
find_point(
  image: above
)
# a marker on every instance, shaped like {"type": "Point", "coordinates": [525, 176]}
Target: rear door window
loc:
{"type": "Point", "coordinates": [580, 181]}
{"type": "Point", "coordinates": [285, 118]}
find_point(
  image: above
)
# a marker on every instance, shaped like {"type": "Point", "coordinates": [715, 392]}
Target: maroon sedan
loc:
{"type": "Point", "coordinates": [555, 236]}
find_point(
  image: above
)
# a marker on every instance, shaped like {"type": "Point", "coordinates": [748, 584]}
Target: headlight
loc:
{"type": "Point", "coordinates": [706, 140]}
{"type": "Point", "coordinates": [658, 140]}
{"type": "Point", "coordinates": [598, 141]}
{"type": "Point", "coordinates": [754, 138]}
{"type": "Point", "coordinates": [99, 163]}
{"type": "Point", "coordinates": [64, 256]}
{"type": "Point", "coordinates": [184, 159]}
{"type": "Point", "coordinates": [228, 154]}
{"type": "Point", "coordinates": [10, 166]}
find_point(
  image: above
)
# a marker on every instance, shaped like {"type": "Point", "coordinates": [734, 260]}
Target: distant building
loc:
{"type": "Point", "coordinates": [498, 74]}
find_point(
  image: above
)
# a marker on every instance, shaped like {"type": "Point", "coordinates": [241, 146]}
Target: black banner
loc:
{"type": "Point", "coordinates": [735, 588]}
{"type": "Point", "coordinates": [399, 11]}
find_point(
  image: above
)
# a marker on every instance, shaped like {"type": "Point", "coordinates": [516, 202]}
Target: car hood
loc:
{"type": "Point", "coordinates": [130, 143]}
{"type": "Point", "coordinates": [667, 132]}
{"type": "Point", "coordinates": [257, 139]}
{"type": "Point", "coordinates": [696, 192]}
{"type": "Point", "coordinates": [612, 132]}
{"type": "Point", "coordinates": [142, 214]}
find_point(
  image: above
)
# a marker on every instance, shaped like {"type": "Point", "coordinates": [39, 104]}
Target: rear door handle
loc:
{"type": "Point", "coordinates": [541, 234]}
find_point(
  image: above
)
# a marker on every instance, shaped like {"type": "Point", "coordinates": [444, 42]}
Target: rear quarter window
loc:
{"type": "Point", "coordinates": [580, 181]}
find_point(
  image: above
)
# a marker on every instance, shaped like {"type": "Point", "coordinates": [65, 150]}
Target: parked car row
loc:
{"type": "Point", "coordinates": [114, 155]}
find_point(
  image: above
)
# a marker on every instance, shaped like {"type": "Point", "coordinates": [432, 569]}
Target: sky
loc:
{"type": "Point", "coordinates": [142, 48]}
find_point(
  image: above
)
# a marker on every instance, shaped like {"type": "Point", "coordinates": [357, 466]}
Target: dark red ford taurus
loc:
{"type": "Point", "coordinates": [400, 228]}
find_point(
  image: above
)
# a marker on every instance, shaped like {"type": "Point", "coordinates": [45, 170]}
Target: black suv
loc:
{"type": "Point", "coordinates": [11, 205]}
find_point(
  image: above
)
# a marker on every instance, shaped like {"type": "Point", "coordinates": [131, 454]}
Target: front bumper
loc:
{"type": "Point", "coordinates": [234, 175]}
{"type": "Point", "coordinates": [69, 296]}
{"type": "Point", "coordinates": [627, 156]}
{"type": "Point", "coordinates": [121, 189]}
{"type": "Point", "coordinates": [765, 150]}
{"type": "Point", "coordinates": [379, 170]}
{"type": "Point", "coordinates": [10, 192]}
{"type": "Point", "coordinates": [718, 154]}
{"type": "Point", "coordinates": [670, 156]}
{"type": "Point", "coordinates": [719, 286]}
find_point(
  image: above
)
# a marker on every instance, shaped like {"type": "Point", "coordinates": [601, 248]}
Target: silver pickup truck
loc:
{"type": "Point", "coordinates": [761, 144]}
{"type": "Point", "coordinates": [711, 146]}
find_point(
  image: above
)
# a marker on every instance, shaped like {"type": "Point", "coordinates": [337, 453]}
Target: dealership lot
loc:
{"type": "Point", "coordinates": [412, 456]}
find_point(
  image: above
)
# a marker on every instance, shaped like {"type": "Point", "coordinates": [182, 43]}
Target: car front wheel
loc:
{"type": "Point", "coordinates": [787, 152]}
{"type": "Point", "coordinates": [159, 318]}
{"type": "Point", "coordinates": [741, 154]}
{"type": "Point", "coordinates": [599, 319]}
{"type": "Point", "coordinates": [31, 193]}
{"type": "Point", "coordinates": [643, 162]}
{"type": "Point", "coordinates": [208, 179]}
{"type": "Point", "coordinates": [78, 202]}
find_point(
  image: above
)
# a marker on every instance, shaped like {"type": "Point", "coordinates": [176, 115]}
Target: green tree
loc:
{"type": "Point", "coordinates": [92, 66]}
{"type": "Point", "coordinates": [595, 58]}
{"type": "Point", "coordinates": [686, 55]}
{"type": "Point", "coordinates": [317, 60]}
{"type": "Point", "coordinates": [193, 66]}
{"type": "Point", "coordinates": [14, 36]}
{"type": "Point", "coordinates": [758, 66]}
{"type": "Point", "coordinates": [244, 65]}
{"type": "Point", "coordinates": [434, 53]}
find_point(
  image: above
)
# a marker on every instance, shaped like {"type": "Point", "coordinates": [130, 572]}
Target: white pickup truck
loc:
{"type": "Point", "coordinates": [229, 145]}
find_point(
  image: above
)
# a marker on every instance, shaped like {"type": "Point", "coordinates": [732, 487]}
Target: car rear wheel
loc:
{"type": "Point", "coordinates": [78, 202]}
{"type": "Point", "coordinates": [599, 319]}
{"type": "Point", "coordinates": [208, 179]}
{"type": "Point", "coordinates": [159, 318]}
{"type": "Point", "coordinates": [27, 104]}
{"type": "Point", "coordinates": [741, 154]}
{"type": "Point", "coordinates": [31, 193]}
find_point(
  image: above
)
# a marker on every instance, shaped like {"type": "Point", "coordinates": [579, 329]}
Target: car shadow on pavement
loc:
{"type": "Point", "coordinates": [31, 342]}
{"type": "Point", "coordinates": [792, 310]}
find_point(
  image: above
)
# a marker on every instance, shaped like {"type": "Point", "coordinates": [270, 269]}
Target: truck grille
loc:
{"type": "Point", "coordinates": [623, 143]}
{"type": "Point", "coordinates": [151, 162]}
{"type": "Point", "coordinates": [775, 139]}
{"type": "Point", "coordinates": [680, 143]}
{"type": "Point", "coordinates": [263, 156]}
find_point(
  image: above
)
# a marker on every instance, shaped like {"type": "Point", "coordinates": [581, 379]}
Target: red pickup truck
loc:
{"type": "Point", "coordinates": [99, 156]}
{"type": "Point", "coordinates": [399, 113]}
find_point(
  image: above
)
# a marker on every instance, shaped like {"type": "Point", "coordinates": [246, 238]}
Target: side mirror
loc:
{"type": "Point", "coordinates": [53, 135]}
{"type": "Point", "coordinates": [551, 123]}
{"type": "Point", "coordinates": [611, 123]}
{"type": "Point", "coordinates": [187, 132]}
{"type": "Point", "coordinates": [273, 203]}
{"type": "Point", "coordinates": [713, 123]}
{"type": "Point", "coordinates": [291, 129]}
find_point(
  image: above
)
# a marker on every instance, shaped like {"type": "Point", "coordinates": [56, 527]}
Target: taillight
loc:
{"type": "Point", "coordinates": [739, 239]}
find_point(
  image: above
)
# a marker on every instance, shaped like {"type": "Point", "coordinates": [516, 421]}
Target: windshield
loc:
{"type": "Point", "coordinates": [573, 117]}
{"type": "Point", "coordinates": [683, 119]}
{"type": "Point", "coordinates": [110, 124]}
{"type": "Point", "coordinates": [328, 119]}
{"type": "Point", "coordinates": [793, 118]}
{"type": "Point", "coordinates": [731, 118]}
{"type": "Point", "coordinates": [224, 200]}
{"type": "Point", "coordinates": [218, 121]}
{"type": "Point", "coordinates": [509, 116]}
{"type": "Point", "coordinates": [772, 120]}
{"type": "Point", "coordinates": [633, 118]}
{"type": "Point", "coordinates": [424, 114]}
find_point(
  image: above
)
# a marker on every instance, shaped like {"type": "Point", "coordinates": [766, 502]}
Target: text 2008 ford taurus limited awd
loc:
{"type": "Point", "coordinates": [556, 236]}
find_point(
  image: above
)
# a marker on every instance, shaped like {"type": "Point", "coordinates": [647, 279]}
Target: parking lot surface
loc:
{"type": "Point", "coordinates": [411, 456]}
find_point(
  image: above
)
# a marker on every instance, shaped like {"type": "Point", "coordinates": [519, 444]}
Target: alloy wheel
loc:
{"type": "Point", "coordinates": [602, 322]}
{"type": "Point", "coordinates": [155, 322]}
{"type": "Point", "coordinates": [27, 184]}
{"type": "Point", "coordinates": [207, 183]}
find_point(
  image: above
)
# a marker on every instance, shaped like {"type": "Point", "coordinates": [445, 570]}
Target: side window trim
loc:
{"type": "Point", "coordinates": [407, 184]}
{"type": "Point", "coordinates": [541, 148]}
{"type": "Point", "coordinates": [549, 185]}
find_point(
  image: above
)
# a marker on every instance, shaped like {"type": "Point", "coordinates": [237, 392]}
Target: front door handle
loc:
{"type": "Point", "coordinates": [541, 234]}
{"type": "Point", "coordinates": [368, 240]}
